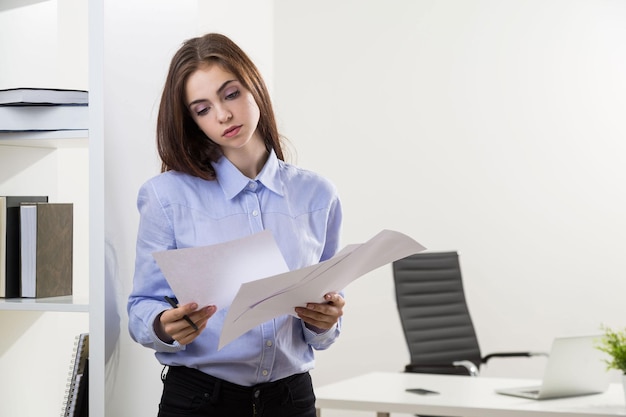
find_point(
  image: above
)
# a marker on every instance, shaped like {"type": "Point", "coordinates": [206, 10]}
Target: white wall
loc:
{"type": "Point", "coordinates": [490, 127]}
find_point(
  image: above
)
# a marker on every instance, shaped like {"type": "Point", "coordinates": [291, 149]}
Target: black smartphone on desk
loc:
{"type": "Point", "coordinates": [421, 391]}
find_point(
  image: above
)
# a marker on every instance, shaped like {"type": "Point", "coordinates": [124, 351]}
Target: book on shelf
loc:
{"type": "Point", "coordinates": [46, 238]}
{"type": "Point", "coordinates": [10, 243]}
{"type": "Point", "coordinates": [43, 97]}
{"type": "Point", "coordinates": [43, 118]}
{"type": "Point", "coordinates": [76, 398]}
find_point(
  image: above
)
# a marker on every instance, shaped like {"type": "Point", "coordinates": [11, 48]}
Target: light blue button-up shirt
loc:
{"type": "Point", "coordinates": [299, 207]}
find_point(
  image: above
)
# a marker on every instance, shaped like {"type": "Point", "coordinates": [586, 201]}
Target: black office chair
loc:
{"type": "Point", "coordinates": [435, 318]}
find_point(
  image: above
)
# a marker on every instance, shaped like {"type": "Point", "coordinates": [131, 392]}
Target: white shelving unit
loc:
{"type": "Point", "coordinates": [58, 139]}
{"type": "Point", "coordinates": [68, 304]}
{"type": "Point", "coordinates": [66, 165]}
{"type": "Point", "coordinates": [41, 331]}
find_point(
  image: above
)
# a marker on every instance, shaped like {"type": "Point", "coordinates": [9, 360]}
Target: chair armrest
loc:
{"type": "Point", "coordinates": [512, 355]}
{"type": "Point", "coordinates": [472, 369]}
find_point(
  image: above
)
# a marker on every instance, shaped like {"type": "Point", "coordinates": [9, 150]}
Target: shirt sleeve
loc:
{"type": "Point", "coordinates": [146, 300]}
{"type": "Point", "coordinates": [321, 341]}
{"type": "Point", "coordinates": [333, 229]}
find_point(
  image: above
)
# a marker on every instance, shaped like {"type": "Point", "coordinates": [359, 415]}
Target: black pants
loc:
{"type": "Point", "coordinates": [191, 393]}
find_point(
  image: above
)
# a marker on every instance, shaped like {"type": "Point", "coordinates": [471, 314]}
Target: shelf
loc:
{"type": "Point", "coordinates": [68, 304]}
{"type": "Point", "coordinates": [39, 331]}
{"type": "Point", "coordinates": [48, 139]}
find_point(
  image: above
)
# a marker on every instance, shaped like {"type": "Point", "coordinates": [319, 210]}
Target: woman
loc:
{"type": "Point", "coordinates": [224, 177]}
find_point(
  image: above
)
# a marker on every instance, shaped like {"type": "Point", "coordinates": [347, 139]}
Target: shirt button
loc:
{"type": "Point", "coordinates": [265, 372]}
{"type": "Point", "coordinates": [268, 343]}
{"type": "Point", "coordinates": [255, 213]}
{"type": "Point", "coordinates": [252, 185]}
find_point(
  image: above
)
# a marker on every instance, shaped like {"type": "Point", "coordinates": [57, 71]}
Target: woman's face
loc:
{"type": "Point", "coordinates": [223, 108]}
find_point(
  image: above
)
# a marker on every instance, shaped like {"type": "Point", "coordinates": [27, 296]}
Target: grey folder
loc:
{"type": "Point", "coordinates": [575, 367]}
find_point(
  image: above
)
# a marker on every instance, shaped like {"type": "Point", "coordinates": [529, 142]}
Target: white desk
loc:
{"type": "Point", "coordinates": [459, 396]}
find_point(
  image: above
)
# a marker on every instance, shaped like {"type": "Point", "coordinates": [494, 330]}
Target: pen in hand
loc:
{"type": "Point", "coordinates": [186, 317]}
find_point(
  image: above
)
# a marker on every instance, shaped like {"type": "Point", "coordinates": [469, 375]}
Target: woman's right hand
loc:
{"type": "Point", "coordinates": [171, 324]}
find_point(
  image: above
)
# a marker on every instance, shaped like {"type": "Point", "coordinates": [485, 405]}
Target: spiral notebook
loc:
{"type": "Point", "coordinates": [75, 402]}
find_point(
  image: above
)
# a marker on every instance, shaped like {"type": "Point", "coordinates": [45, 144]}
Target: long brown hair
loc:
{"type": "Point", "coordinates": [182, 145]}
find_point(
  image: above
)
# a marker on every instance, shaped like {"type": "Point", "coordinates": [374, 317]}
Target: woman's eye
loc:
{"type": "Point", "coordinates": [232, 95]}
{"type": "Point", "coordinates": [202, 111]}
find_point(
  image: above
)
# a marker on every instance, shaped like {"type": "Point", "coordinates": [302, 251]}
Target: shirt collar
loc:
{"type": "Point", "coordinates": [233, 181]}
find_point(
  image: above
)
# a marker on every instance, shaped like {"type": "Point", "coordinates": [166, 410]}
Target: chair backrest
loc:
{"type": "Point", "coordinates": [433, 309]}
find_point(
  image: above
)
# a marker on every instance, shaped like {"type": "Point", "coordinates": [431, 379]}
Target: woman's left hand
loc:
{"type": "Point", "coordinates": [322, 316]}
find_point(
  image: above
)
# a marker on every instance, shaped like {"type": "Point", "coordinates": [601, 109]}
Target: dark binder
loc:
{"type": "Point", "coordinates": [10, 280]}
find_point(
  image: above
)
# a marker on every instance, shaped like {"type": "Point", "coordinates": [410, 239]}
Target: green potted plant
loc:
{"type": "Point", "coordinates": [613, 342]}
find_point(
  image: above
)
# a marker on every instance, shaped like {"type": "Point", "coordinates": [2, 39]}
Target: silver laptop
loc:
{"type": "Point", "coordinates": [575, 367]}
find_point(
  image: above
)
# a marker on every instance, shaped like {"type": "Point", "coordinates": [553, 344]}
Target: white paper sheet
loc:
{"type": "Point", "coordinates": [212, 275]}
{"type": "Point", "coordinates": [262, 300]}
{"type": "Point", "coordinates": [251, 276]}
